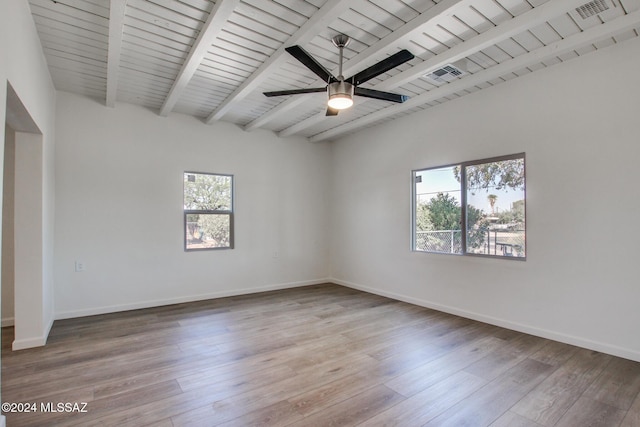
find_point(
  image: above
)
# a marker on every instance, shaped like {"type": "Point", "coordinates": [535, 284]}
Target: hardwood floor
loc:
{"type": "Point", "coordinates": [316, 356]}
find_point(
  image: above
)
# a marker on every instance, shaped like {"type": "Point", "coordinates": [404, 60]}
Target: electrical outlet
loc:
{"type": "Point", "coordinates": [80, 267]}
{"type": "Point", "coordinates": [276, 254]}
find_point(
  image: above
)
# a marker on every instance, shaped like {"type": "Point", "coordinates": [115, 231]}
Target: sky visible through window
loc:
{"type": "Point", "coordinates": [443, 180]}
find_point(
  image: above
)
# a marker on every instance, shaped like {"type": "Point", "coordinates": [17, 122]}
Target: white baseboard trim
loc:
{"type": "Point", "coordinates": [25, 343]}
{"type": "Point", "coordinates": [48, 329]}
{"type": "Point", "coordinates": [531, 330]}
{"type": "Point", "coordinates": [7, 321]}
{"type": "Point", "coordinates": [178, 300]}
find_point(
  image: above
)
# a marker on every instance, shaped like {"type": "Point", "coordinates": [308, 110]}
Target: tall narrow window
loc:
{"type": "Point", "coordinates": [471, 208]}
{"type": "Point", "coordinates": [208, 211]}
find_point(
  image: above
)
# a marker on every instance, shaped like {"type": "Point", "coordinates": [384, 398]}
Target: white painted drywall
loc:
{"type": "Point", "coordinates": [28, 235]}
{"type": "Point", "coordinates": [23, 66]}
{"type": "Point", "coordinates": [8, 207]}
{"type": "Point", "coordinates": [119, 208]}
{"type": "Point", "coordinates": [578, 124]}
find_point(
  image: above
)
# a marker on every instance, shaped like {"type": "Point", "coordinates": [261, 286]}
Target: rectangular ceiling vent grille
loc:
{"type": "Point", "coordinates": [592, 8]}
{"type": "Point", "coordinates": [445, 74]}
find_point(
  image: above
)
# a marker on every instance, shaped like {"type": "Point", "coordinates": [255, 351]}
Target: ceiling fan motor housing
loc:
{"type": "Point", "coordinates": [340, 94]}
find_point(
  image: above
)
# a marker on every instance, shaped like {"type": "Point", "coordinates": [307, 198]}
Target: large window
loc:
{"type": "Point", "coordinates": [208, 211]}
{"type": "Point", "coordinates": [471, 208]}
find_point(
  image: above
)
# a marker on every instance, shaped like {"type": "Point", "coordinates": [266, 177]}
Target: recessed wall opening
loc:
{"type": "Point", "coordinates": [22, 242]}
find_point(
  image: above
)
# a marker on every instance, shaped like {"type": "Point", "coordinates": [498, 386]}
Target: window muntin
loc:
{"type": "Point", "coordinates": [208, 211]}
{"type": "Point", "coordinates": [489, 194]}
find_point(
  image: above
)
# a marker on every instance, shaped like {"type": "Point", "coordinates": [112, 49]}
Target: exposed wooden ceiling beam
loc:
{"type": "Point", "coordinates": [310, 29]}
{"type": "Point", "coordinates": [536, 16]}
{"type": "Point", "coordinates": [592, 35]}
{"type": "Point", "coordinates": [514, 26]}
{"type": "Point", "coordinates": [219, 15]}
{"type": "Point", "coordinates": [116, 24]}
{"type": "Point", "coordinates": [372, 54]}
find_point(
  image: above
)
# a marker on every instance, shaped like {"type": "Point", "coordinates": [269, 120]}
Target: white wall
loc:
{"type": "Point", "coordinates": [8, 206]}
{"type": "Point", "coordinates": [28, 240]}
{"type": "Point", "coordinates": [119, 208]}
{"type": "Point", "coordinates": [578, 124]}
{"type": "Point", "coordinates": [23, 66]}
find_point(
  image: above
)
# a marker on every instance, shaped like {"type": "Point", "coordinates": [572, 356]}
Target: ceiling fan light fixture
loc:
{"type": "Point", "coordinates": [340, 95]}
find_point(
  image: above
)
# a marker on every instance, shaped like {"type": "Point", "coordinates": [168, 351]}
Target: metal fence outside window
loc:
{"type": "Point", "coordinates": [442, 241]}
{"type": "Point", "coordinates": [505, 243]}
{"type": "Point", "coordinates": [497, 242]}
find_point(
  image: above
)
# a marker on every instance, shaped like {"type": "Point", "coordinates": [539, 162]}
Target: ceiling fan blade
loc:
{"type": "Point", "coordinates": [382, 67]}
{"type": "Point", "coordinates": [308, 61]}
{"type": "Point", "coordinates": [332, 111]}
{"type": "Point", "coordinates": [378, 94]}
{"type": "Point", "coordinates": [295, 91]}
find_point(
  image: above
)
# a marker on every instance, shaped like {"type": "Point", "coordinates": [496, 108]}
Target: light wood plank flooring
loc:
{"type": "Point", "coordinates": [316, 356]}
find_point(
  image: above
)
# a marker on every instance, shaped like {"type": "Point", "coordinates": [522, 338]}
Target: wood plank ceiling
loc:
{"type": "Point", "coordinates": [213, 59]}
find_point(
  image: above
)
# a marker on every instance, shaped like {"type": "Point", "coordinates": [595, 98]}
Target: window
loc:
{"type": "Point", "coordinates": [208, 211]}
{"type": "Point", "coordinates": [489, 194]}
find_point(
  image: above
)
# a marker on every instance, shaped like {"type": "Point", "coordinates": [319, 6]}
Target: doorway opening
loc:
{"type": "Point", "coordinates": [22, 226]}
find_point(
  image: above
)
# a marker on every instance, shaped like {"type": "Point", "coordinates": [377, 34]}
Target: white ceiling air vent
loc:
{"type": "Point", "coordinates": [592, 8]}
{"type": "Point", "coordinates": [445, 74]}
